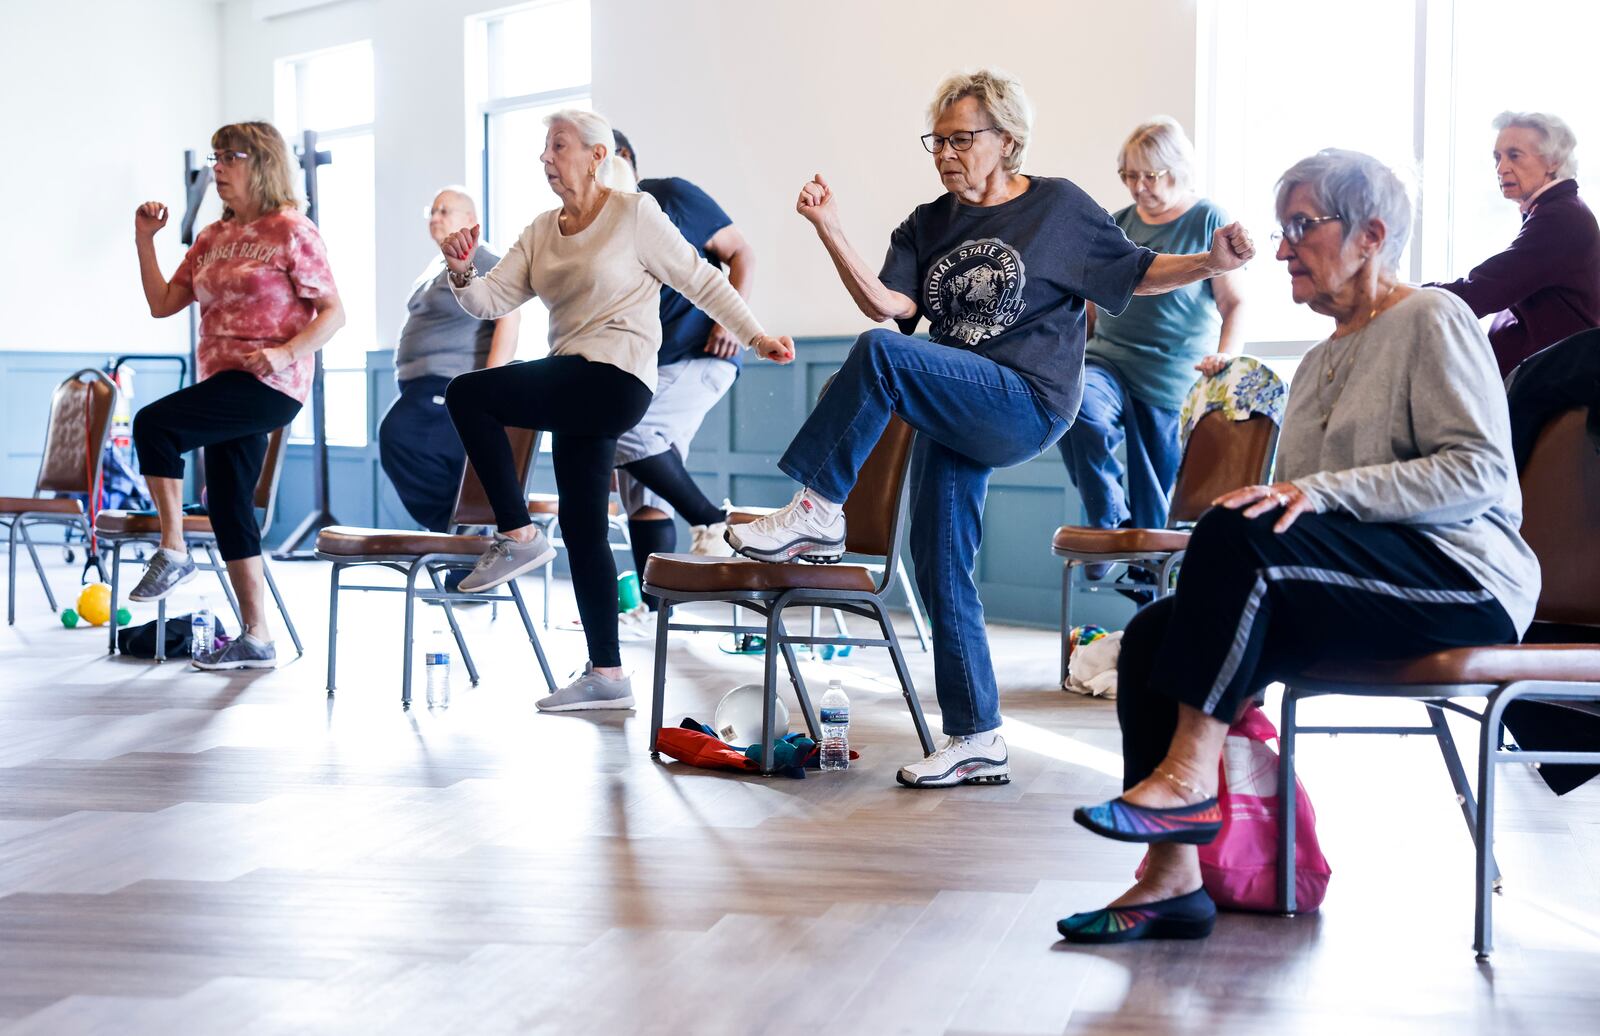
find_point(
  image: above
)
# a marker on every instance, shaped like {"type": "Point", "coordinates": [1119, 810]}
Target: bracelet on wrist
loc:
{"type": "Point", "coordinates": [464, 278]}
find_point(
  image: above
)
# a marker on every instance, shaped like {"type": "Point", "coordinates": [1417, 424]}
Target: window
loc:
{"type": "Point", "coordinates": [522, 65]}
{"type": "Point", "coordinates": [331, 93]}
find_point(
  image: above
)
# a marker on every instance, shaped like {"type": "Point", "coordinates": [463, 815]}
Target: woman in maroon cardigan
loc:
{"type": "Point", "coordinates": [1546, 286]}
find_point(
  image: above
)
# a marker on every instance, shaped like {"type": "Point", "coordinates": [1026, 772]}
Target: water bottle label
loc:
{"type": "Point", "coordinates": [437, 658]}
{"type": "Point", "coordinates": [836, 716]}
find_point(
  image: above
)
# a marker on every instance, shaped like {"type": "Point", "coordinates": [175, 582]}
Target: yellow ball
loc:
{"type": "Point", "coordinates": [94, 604]}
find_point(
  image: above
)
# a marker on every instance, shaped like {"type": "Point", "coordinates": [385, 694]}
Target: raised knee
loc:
{"type": "Point", "coordinates": [876, 344]}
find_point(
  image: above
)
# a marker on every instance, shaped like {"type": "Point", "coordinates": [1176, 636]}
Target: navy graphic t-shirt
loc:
{"type": "Point", "coordinates": [684, 328]}
{"type": "Point", "coordinates": [1009, 281]}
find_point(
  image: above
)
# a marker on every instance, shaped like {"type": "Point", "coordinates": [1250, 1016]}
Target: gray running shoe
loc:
{"type": "Point", "coordinates": [161, 577]}
{"type": "Point", "coordinates": [506, 559]}
{"type": "Point", "coordinates": [241, 653]}
{"type": "Point", "coordinates": [590, 691]}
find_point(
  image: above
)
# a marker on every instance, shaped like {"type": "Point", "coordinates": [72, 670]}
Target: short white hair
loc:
{"type": "Point", "coordinates": [1162, 142]}
{"type": "Point", "coordinates": [593, 130]}
{"type": "Point", "coordinates": [1357, 188]}
{"type": "Point", "coordinates": [1556, 139]}
{"type": "Point", "coordinates": [1001, 97]}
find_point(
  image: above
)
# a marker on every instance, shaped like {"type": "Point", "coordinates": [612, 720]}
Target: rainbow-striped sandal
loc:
{"type": "Point", "coordinates": [1191, 825]}
{"type": "Point", "coordinates": [1188, 916]}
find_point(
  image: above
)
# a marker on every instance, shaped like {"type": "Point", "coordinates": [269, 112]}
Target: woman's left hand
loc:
{"type": "Point", "coordinates": [1258, 500]}
{"type": "Point", "coordinates": [777, 348]}
{"type": "Point", "coordinates": [1231, 248]}
{"type": "Point", "coordinates": [269, 360]}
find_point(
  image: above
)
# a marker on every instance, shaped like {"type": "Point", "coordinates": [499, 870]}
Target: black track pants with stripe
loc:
{"type": "Point", "coordinates": [1254, 606]}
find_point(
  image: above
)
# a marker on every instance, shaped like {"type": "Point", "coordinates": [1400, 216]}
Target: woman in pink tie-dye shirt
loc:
{"type": "Point", "coordinates": [267, 304]}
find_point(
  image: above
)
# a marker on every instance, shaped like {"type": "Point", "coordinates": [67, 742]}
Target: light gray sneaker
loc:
{"type": "Point", "coordinates": [506, 559]}
{"type": "Point", "coordinates": [162, 576]}
{"type": "Point", "coordinates": [590, 691]}
{"type": "Point", "coordinates": [239, 653]}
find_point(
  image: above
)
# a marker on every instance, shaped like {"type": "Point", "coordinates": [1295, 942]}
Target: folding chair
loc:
{"type": "Point", "coordinates": [118, 528]}
{"type": "Point", "coordinates": [414, 554]}
{"type": "Point", "coordinates": [1561, 499]}
{"type": "Point", "coordinates": [1221, 455]}
{"type": "Point", "coordinates": [874, 512]}
{"type": "Point", "coordinates": [74, 444]}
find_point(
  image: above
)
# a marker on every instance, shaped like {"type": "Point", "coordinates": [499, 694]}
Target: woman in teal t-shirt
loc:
{"type": "Point", "coordinates": [1139, 365]}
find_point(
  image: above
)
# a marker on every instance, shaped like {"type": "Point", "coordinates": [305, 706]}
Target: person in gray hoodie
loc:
{"type": "Point", "coordinates": [1391, 532]}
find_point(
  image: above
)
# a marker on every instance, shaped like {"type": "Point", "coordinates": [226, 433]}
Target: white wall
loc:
{"type": "Point", "coordinates": [740, 97]}
{"type": "Point", "coordinates": [100, 97]}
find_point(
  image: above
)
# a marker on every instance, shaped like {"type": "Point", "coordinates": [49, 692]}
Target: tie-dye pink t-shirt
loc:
{"type": "Point", "coordinates": [255, 284]}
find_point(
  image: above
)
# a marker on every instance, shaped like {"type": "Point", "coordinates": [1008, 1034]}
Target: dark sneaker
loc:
{"type": "Point", "coordinates": [242, 653]}
{"type": "Point", "coordinates": [162, 576]}
{"type": "Point", "coordinates": [506, 559]}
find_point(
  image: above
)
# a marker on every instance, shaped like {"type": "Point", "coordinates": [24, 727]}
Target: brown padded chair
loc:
{"type": "Point", "coordinates": [116, 528]}
{"type": "Point", "coordinates": [1561, 505]}
{"type": "Point", "coordinates": [1222, 455]}
{"type": "Point", "coordinates": [413, 553]}
{"type": "Point", "coordinates": [74, 444]}
{"type": "Point", "coordinates": [873, 512]}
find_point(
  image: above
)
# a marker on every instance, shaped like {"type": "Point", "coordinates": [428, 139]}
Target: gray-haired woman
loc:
{"type": "Point", "coordinates": [1546, 286]}
{"type": "Point", "coordinates": [1395, 517]}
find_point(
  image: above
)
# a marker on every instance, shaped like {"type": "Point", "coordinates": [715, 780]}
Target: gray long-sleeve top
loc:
{"type": "Point", "coordinates": [1417, 433]}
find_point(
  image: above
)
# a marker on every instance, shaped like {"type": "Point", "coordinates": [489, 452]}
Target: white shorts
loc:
{"type": "Point", "coordinates": [685, 392]}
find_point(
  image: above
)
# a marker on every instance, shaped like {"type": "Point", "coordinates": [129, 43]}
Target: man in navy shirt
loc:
{"type": "Point", "coordinates": [696, 366]}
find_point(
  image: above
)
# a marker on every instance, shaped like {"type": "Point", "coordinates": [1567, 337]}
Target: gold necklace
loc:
{"type": "Point", "coordinates": [1348, 358]}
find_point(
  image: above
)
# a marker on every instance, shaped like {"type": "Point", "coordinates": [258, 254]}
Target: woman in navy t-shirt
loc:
{"type": "Point", "coordinates": [1001, 266]}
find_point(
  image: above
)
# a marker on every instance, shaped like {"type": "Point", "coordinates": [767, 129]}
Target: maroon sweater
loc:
{"type": "Point", "coordinates": [1546, 286]}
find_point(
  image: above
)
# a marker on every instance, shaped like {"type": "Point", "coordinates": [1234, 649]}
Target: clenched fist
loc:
{"type": "Point", "coordinates": [149, 218]}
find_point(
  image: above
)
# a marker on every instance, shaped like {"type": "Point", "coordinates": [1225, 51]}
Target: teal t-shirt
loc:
{"type": "Point", "coordinates": [1155, 343]}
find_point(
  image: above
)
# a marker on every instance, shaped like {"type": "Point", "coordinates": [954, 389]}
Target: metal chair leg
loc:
{"type": "Point", "coordinates": [658, 677]}
{"type": "Point", "coordinates": [161, 629]}
{"type": "Point", "coordinates": [801, 694]}
{"type": "Point", "coordinates": [769, 685]}
{"type": "Point", "coordinates": [455, 628]}
{"type": "Point", "coordinates": [1458, 778]}
{"type": "Point", "coordinates": [533, 635]}
{"type": "Point", "coordinates": [283, 610]}
{"type": "Point", "coordinates": [1066, 616]}
{"type": "Point", "coordinates": [38, 566]}
{"type": "Point", "coordinates": [903, 672]}
{"type": "Point", "coordinates": [1287, 864]}
{"type": "Point", "coordinates": [333, 621]}
{"type": "Point", "coordinates": [409, 636]}
{"type": "Point", "coordinates": [116, 588]}
{"type": "Point", "coordinates": [1483, 891]}
{"type": "Point", "coordinates": [11, 573]}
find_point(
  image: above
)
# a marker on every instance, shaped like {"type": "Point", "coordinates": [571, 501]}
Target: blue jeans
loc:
{"type": "Point", "coordinates": [972, 415]}
{"type": "Point", "coordinates": [1108, 418]}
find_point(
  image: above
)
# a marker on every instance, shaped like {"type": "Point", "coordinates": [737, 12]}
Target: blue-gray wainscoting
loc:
{"type": "Point", "coordinates": [734, 456]}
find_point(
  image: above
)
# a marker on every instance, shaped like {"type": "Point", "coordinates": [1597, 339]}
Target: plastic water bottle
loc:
{"type": "Point", "coordinates": [437, 662]}
{"type": "Point", "coordinates": [202, 631]}
{"type": "Point", "coordinates": [835, 728]}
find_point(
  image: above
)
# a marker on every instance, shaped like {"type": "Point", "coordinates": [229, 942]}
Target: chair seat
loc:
{"type": "Point", "coordinates": [130, 523]}
{"type": "Point", "coordinates": [345, 541]}
{"type": "Point", "coordinates": [1079, 539]}
{"type": "Point", "coordinates": [1502, 663]}
{"type": "Point", "coordinates": [40, 505]}
{"type": "Point", "coordinates": [694, 573]}
{"type": "Point", "coordinates": [550, 503]}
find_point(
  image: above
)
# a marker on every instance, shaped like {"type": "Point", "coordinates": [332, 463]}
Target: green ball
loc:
{"type": "Point", "coordinates": [124, 616]}
{"type": "Point", "coordinates": [69, 618]}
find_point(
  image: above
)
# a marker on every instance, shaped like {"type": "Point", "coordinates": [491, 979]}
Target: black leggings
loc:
{"type": "Point", "coordinates": [586, 405]}
{"type": "Point", "coordinates": [1254, 607]}
{"type": "Point", "coordinates": [230, 414]}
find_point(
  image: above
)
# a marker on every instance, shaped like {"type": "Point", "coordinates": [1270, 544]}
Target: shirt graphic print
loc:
{"type": "Point", "coordinates": [974, 291]}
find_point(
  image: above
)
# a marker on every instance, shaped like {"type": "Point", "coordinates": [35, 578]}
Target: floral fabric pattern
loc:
{"type": "Point", "coordinates": [1246, 386]}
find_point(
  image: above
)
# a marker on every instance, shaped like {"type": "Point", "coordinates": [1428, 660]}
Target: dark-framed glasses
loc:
{"type": "Point", "coordinates": [227, 157]}
{"type": "Point", "coordinates": [1134, 177]}
{"type": "Point", "coordinates": [1295, 227]}
{"type": "Point", "coordinates": [961, 140]}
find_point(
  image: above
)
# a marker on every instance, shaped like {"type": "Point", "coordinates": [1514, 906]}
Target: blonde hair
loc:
{"type": "Point", "coordinates": [1002, 98]}
{"type": "Point", "coordinates": [1161, 142]}
{"type": "Point", "coordinates": [271, 168]}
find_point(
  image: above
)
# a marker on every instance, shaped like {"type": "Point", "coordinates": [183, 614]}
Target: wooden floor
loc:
{"type": "Point", "coordinates": [183, 852]}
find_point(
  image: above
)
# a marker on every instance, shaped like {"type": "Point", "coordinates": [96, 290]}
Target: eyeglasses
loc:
{"type": "Point", "coordinates": [227, 157]}
{"type": "Point", "coordinates": [1295, 229]}
{"type": "Point", "coordinates": [961, 140]}
{"type": "Point", "coordinates": [1132, 177]}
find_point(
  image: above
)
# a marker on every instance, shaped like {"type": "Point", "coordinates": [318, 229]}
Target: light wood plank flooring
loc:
{"type": "Point", "coordinates": [198, 853]}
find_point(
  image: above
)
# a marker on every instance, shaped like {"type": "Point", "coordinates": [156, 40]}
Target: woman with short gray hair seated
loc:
{"type": "Point", "coordinates": [1392, 532]}
{"type": "Point", "coordinates": [1546, 286]}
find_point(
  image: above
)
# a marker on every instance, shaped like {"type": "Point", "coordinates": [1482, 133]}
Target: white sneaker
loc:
{"type": "Point", "coordinates": [962, 760]}
{"type": "Point", "coordinates": [709, 541]}
{"type": "Point", "coordinates": [797, 530]}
